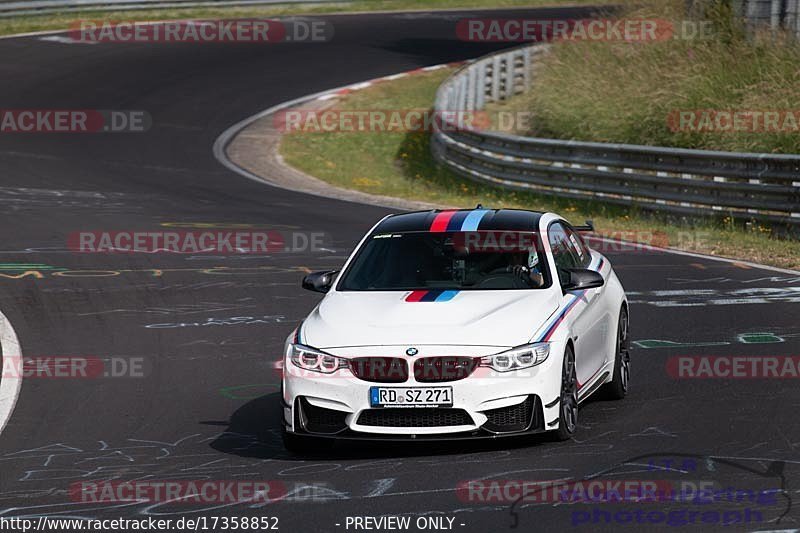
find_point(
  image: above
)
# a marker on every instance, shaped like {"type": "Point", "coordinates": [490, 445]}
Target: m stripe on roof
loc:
{"type": "Point", "coordinates": [458, 220]}
{"type": "Point", "coordinates": [441, 221]}
{"type": "Point", "coordinates": [473, 220]}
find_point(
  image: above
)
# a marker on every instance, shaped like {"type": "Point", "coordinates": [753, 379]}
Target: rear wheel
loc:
{"type": "Point", "coordinates": [568, 403]}
{"type": "Point", "coordinates": [617, 389]}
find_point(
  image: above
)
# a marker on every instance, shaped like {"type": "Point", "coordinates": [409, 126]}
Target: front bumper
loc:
{"type": "Point", "coordinates": [525, 418]}
{"type": "Point", "coordinates": [486, 404]}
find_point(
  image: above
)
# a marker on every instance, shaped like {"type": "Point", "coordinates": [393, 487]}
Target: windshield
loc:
{"type": "Point", "coordinates": [458, 260]}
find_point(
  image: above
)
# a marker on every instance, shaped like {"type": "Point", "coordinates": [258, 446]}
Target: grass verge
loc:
{"type": "Point", "coordinates": [631, 92]}
{"type": "Point", "coordinates": [58, 21]}
{"type": "Point", "coordinates": [400, 164]}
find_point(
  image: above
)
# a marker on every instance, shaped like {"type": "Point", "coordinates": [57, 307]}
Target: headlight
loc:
{"type": "Point", "coordinates": [518, 358]}
{"type": "Point", "coordinates": [314, 360]}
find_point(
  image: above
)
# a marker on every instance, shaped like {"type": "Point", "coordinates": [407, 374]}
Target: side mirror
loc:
{"type": "Point", "coordinates": [580, 279]}
{"type": "Point", "coordinates": [320, 281]}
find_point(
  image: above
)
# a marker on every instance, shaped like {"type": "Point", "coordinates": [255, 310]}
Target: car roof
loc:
{"type": "Point", "coordinates": [461, 220]}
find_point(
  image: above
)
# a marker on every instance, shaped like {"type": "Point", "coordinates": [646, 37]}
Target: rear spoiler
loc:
{"type": "Point", "coordinates": [588, 228]}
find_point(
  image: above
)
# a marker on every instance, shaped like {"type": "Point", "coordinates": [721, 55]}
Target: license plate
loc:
{"type": "Point", "coordinates": [411, 396]}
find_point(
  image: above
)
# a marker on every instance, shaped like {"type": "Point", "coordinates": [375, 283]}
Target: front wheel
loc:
{"type": "Point", "coordinates": [617, 389]}
{"type": "Point", "coordinates": [568, 403]}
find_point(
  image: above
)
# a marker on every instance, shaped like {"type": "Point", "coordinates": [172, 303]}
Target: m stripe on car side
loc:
{"type": "Point", "coordinates": [576, 297]}
{"type": "Point", "coordinates": [560, 318]}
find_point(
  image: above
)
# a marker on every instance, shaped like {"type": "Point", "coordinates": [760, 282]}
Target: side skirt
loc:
{"type": "Point", "coordinates": [591, 387]}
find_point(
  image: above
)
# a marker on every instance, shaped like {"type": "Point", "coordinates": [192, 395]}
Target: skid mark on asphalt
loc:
{"type": "Point", "coordinates": [751, 337]}
{"type": "Point", "coordinates": [783, 280]}
{"type": "Point", "coordinates": [713, 297]}
{"type": "Point", "coordinates": [185, 309]}
{"type": "Point", "coordinates": [227, 321]}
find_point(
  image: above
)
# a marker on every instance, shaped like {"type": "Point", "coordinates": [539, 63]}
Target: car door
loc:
{"type": "Point", "coordinates": [588, 328]}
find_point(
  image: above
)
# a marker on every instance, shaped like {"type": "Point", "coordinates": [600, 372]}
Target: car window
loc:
{"type": "Point", "coordinates": [578, 247]}
{"type": "Point", "coordinates": [490, 260]}
{"type": "Point", "coordinates": [565, 255]}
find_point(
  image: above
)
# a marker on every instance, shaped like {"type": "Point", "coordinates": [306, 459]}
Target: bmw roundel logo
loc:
{"type": "Point", "coordinates": [412, 351]}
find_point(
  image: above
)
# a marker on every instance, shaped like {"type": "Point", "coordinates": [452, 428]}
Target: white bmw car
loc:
{"type": "Point", "coordinates": [456, 324]}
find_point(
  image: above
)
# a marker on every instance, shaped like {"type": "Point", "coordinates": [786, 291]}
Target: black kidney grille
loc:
{"type": "Point", "coordinates": [380, 369]}
{"type": "Point", "coordinates": [443, 369]}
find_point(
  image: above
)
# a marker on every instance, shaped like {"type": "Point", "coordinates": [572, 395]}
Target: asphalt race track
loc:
{"type": "Point", "coordinates": [209, 328]}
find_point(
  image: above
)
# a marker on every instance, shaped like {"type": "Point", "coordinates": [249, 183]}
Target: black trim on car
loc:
{"type": "Point", "coordinates": [507, 419]}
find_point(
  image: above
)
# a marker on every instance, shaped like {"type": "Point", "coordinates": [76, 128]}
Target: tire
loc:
{"type": "Point", "coordinates": [303, 445]}
{"type": "Point", "coordinates": [568, 402]}
{"type": "Point", "coordinates": [617, 389]}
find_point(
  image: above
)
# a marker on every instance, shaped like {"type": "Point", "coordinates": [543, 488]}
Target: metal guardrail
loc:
{"type": "Point", "coordinates": [37, 7]}
{"type": "Point", "coordinates": [762, 187]}
{"type": "Point", "coordinates": [776, 14]}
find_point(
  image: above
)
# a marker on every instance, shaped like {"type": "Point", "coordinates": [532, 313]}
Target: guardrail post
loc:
{"type": "Point", "coordinates": [481, 90]}
{"type": "Point", "coordinates": [793, 17]}
{"type": "Point", "coordinates": [776, 14]}
{"type": "Point", "coordinates": [471, 74]}
{"type": "Point", "coordinates": [508, 75]}
{"type": "Point", "coordinates": [456, 97]}
{"type": "Point", "coordinates": [495, 96]}
{"type": "Point", "coordinates": [462, 95]}
{"type": "Point", "coordinates": [526, 73]}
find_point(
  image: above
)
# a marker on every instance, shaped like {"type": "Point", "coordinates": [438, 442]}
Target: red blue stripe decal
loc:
{"type": "Point", "coordinates": [431, 296]}
{"type": "Point", "coordinates": [473, 219]}
{"type": "Point", "coordinates": [416, 296]}
{"type": "Point", "coordinates": [576, 297]}
{"type": "Point", "coordinates": [441, 221]}
{"type": "Point", "coordinates": [560, 318]}
{"type": "Point", "coordinates": [458, 220]}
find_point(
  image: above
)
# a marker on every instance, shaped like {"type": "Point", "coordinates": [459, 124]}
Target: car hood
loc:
{"type": "Point", "coordinates": [470, 318]}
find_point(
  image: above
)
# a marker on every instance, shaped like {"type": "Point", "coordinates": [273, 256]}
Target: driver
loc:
{"type": "Point", "coordinates": [530, 272]}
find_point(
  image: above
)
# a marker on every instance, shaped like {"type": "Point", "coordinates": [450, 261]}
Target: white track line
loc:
{"type": "Point", "coordinates": [227, 136]}
{"type": "Point", "coordinates": [12, 359]}
{"type": "Point", "coordinates": [698, 256]}
{"type": "Point", "coordinates": [222, 142]}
